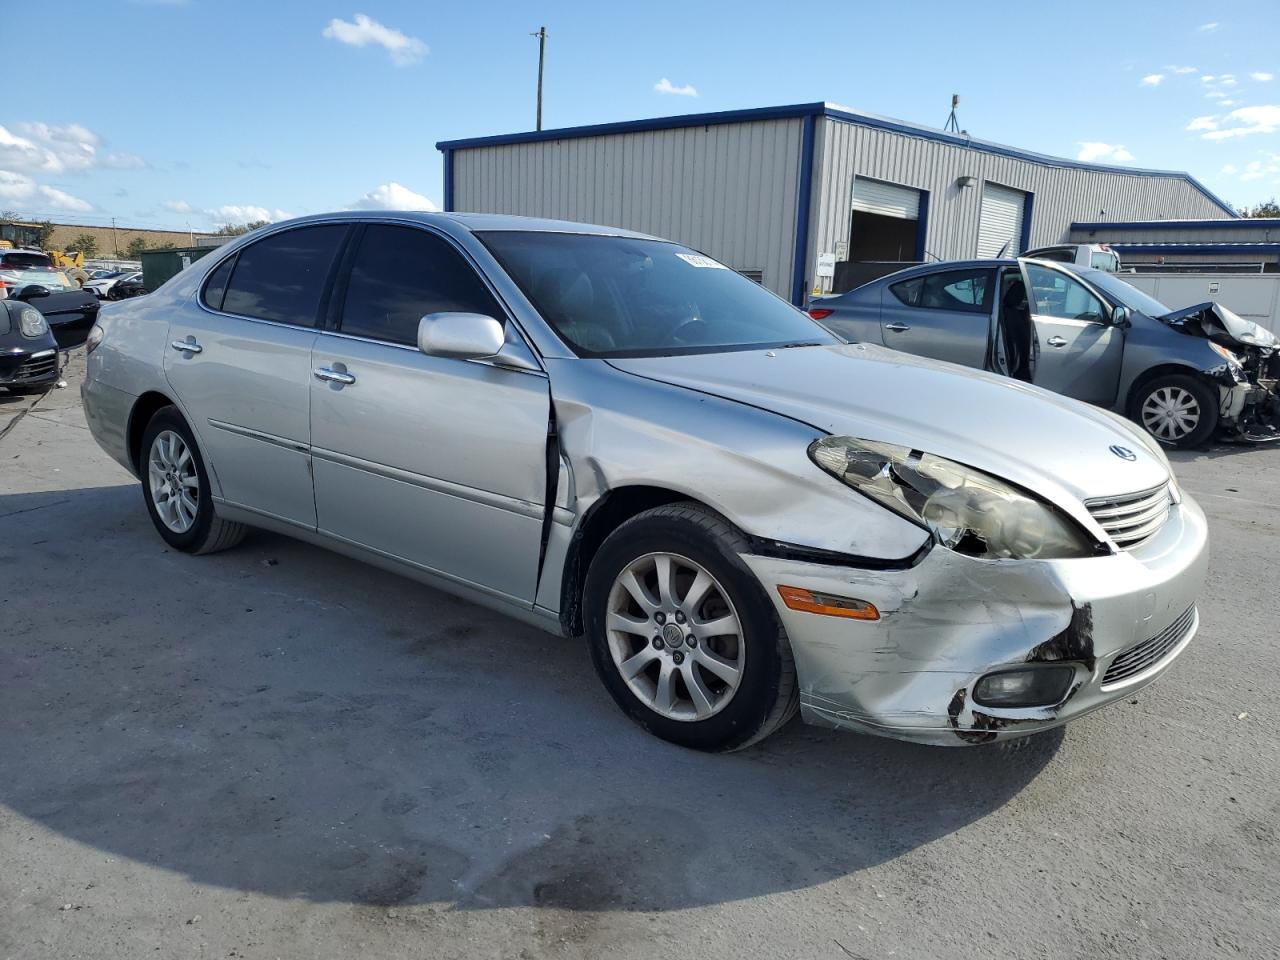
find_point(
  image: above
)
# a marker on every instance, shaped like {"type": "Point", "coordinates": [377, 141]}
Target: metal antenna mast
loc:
{"type": "Point", "coordinates": [953, 125]}
{"type": "Point", "coordinates": [542, 52]}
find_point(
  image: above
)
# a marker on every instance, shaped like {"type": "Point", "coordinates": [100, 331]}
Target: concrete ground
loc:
{"type": "Point", "coordinates": [278, 752]}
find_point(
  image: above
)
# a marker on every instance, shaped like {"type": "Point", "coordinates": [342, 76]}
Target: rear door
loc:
{"type": "Point", "coordinates": [436, 461]}
{"type": "Point", "coordinates": [945, 315]}
{"type": "Point", "coordinates": [240, 364]}
{"type": "Point", "coordinates": [1080, 351]}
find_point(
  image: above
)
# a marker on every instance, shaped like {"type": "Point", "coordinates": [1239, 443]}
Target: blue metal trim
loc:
{"type": "Point", "coordinates": [1028, 208]}
{"type": "Point", "coordinates": [804, 199]}
{"type": "Point", "coordinates": [834, 113]}
{"type": "Point", "coordinates": [1242, 223]}
{"type": "Point", "coordinates": [922, 225]}
{"type": "Point", "coordinates": [448, 181]}
{"type": "Point", "coordinates": [1240, 248]}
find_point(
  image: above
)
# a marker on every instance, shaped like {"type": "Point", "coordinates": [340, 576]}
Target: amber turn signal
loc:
{"type": "Point", "coordinates": [797, 598]}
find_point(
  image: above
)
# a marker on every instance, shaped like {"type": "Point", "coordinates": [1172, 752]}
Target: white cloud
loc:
{"type": "Point", "coordinates": [363, 31]}
{"type": "Point", "coordinates": [1094, 150]}
{"type": "Point", "coordinates": [1216, 95]}
{"type": "Point", "coordinates": [49, 148]}
{"type": "Point", "coordinates": [244, 213]}
{"type": "Point", "coordinates": [1208, 27]}
{"type": "Point", "coordinates": [666, 86]}
{"type": "Point", "coordinates": [1248, 120]}
{"type": "Point", "coordinates": [1152, 79]}
{"type": "Point", "coordinates": [64, 201]}
{"type": "Point", "coordinates": [1182, 70]}
{"type": "Point", "coordinates": [177, 206]}
{"type": "Point", "coordinates": [1226, 103]}
{"type": "Point", "coordinates": [1262, 76]}
{"type": "Point", "coordinates": [15, 186]}
{"type": "Point", "coordinates": [1208, 78]}
{"type": "Point", "coordinates": [1227, 80]}
{"type": "Point", "coordinates": [123, 161]}
{"type": "Point", "coordinates": [1258, 169]}
{"type": "Point", "coordinates": [1203, 123]}
{"type": "Point", "coordinates": [393, 196]}
{"type": "Point", "coordinates": [1230, 169]}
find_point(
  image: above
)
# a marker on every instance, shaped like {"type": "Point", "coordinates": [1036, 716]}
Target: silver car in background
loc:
{"type": "Point", "coordinates": [1082, 332]}
{"type": "Point", "coordinates": [616, 437]}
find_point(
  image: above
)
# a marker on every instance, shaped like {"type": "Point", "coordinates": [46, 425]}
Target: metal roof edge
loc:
{"type": "Point", "coordinates": [1238, 223]}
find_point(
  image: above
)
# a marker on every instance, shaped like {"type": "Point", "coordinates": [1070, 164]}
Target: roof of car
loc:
{"type": "Point", "coordinates": [471, 221]}
{"type": "Point", "coordinates": [989, 263]}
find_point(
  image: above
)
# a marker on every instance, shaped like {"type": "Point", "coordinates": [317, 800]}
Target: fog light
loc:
{"type": "Point", "coordinates": [1030, 687]}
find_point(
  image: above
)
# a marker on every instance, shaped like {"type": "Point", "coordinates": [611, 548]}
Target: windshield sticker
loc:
{"type": "Point", "coordinates": [697, 260]}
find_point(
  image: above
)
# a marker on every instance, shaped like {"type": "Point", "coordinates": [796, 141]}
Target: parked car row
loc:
{"type": "Point", "coordinates": [1081, 332]}
{"type": "Point", "coordinates": [117, 285]}
{"type": "Point", "coordinates": [30, 276]}
{"type": "Point", "coordinates": [617, 437]}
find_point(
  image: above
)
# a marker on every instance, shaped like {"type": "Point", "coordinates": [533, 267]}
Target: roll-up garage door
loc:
{"type": "Point", "coordinates": [885, 199]}
{"type": "Point", "coordinates": [1000, 223]}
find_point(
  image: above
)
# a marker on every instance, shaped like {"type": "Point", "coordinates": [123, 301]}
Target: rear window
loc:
{"type": "Point", "coordinates": [25, 261]}
{"type": "Point", "coordinates": [282, 277]}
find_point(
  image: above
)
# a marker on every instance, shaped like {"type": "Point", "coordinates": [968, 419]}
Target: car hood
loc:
{"type": "Point", "coordinates": [1057, 447]}
{"type": "Point", "coordinates": [1219, 324]}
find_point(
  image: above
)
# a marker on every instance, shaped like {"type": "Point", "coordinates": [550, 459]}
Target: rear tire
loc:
{"type": "Point", "coordinates": [175, 485]}
{"type": "Point", "coordinates": [735, 683]}
{"type": "Point", "coordinates": [1177, 409]}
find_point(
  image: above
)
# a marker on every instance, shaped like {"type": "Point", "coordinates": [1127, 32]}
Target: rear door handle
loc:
{"type": "Point", "coordinates": [334, 376]}
{"type": "Point", "coordinates": [1056, 342]}
{"type": "Point", "coordinates": [187, 346]}
{"type": "Point", "coordinates": [896, 327]}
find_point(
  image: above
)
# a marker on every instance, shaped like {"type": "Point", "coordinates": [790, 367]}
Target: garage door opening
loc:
{"type": "Point", "coordinates": [885, 222]}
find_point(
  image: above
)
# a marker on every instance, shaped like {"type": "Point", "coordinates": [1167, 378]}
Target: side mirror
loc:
{"type": "Point", "coordinates": [463, 336]}
{"type": "Point", "coordinates": [1120, 318]}
{"type": "Point", "coordinates": [31, 291]}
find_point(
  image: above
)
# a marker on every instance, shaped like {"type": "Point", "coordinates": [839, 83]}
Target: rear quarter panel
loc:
{"type": "Point", "coordinates": [856, 314]}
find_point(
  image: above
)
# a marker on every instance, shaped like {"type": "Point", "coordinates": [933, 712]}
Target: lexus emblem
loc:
{"type": "Point", "coordinates": [1124, 453]}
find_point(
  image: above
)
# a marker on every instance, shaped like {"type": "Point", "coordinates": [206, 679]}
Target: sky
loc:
{"type": "Point", "coordinates": [186, 114]}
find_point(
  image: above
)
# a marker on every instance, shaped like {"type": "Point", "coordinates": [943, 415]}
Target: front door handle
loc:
{"type": "Point", "coordinates": [186, 346]}
{"type": "Point", "coordinates": [1056, 342]}
{"type": "Point", "coordinates": [896, 327]}
{"type": "Point", "coordinates": [333, 376]}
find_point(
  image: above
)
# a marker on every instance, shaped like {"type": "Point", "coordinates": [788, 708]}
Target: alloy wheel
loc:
{"type": "Point", "coordinates": [1171, 413]}
{"type": "Point", "coordinates": [173, 482]}
{"type": "Point", "coordinates": [675, 637]}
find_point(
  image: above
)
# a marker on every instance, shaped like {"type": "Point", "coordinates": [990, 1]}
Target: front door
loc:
{"type": "Point", "coordinates": [1080, 350]}
{"type": "Point", "coordinates": [432, 460]}
{"type": "Point", "coordinates": [241, 368]}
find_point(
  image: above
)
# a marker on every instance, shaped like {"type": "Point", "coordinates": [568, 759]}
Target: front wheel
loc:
{"type": "Point", "coordinates": [1177, 409]}
{"type": "Point", "coordinates": [682, 634]}
{"type": "Point", "coordinates": [175, 485]}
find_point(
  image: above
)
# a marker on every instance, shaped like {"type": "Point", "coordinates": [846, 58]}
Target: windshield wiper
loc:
{"type": "Point", "coordinates": [800, 343]}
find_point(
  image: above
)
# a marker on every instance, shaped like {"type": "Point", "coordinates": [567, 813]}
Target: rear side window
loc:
{"type": "Point", "coordinates": [399, 275]}
{"type": "Point", "coordinates": [282, 278]}
{"type": "Point", "coordinates": [215, 287]}
{"type": "Point", "coordinates": [967, 291]}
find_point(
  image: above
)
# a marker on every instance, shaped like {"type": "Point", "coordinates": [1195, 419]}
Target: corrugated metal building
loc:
{"type": "Point", "coordinates": [1246, 245]}
{"type": "Point", "coordinates": [784, 193]}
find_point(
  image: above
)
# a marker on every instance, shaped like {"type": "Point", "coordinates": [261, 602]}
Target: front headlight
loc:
{"type": "Point", "coordinates": [32, 323]}
{"type": "Point", "coordinates": [967, 510]}
{"type": "Point", "coordinates": [1226, 354]}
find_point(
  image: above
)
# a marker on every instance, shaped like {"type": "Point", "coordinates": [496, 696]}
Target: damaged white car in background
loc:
{"type": "Point", "coordinates": [614, 436]}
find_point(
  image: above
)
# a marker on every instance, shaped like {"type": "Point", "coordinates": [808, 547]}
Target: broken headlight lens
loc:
{"type": "Point", "coordinates": [967, 510]}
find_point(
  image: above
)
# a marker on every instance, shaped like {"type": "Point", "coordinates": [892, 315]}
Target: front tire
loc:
{"type": "Point", "coordinates": [683, 636]}
{"type": "Point", "coordinates": [175, 485]}
{"type": "Point", "coordinates": [1177, 409]}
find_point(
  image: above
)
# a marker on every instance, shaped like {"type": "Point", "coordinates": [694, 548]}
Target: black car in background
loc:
{"type": "Point", "coordinates": [30, 277]}
{"type": "Point", "coordinates": [29, 360]}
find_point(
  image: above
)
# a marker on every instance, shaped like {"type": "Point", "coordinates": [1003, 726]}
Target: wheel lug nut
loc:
{"type": "Point", "coordinates": [678, 657]}
{"type": "Point", "coordinates": [657, 643]}
{"type": "Point", "coordinates": [660, 617]}
{"type": "Point", "coordinates": [679, 617]}
{"type": "Point", "coordinates": [691, 640]}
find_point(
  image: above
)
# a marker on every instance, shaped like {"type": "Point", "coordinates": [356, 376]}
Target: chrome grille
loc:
{"type": "Point", "coordinates": [1134, 517]}
{"type": "Point", "coordinates": [1139, 658]}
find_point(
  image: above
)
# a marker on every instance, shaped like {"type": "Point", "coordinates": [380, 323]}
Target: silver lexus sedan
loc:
{"type": "Point", "coordinates": [617, 437]}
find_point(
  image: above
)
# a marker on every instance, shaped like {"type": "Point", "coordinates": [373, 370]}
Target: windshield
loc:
{"type": "Point", "coordinates": [55, 281]}
{"type": "Point", "coordinates": [620, 297]}
{"type": "Point", "coordinates": [1127, 294]}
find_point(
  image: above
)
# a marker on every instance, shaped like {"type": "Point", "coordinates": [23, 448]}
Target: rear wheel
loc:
{"type": "Point", "coordinates": [682, 634]}
{"type": "Point", "coordinates": [1177, 409]}
{"type": "Point", "coordinates": [175, 485]}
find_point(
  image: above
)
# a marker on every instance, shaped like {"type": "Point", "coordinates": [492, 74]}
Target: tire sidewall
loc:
{"type": "Point", "coordinates": [743, 716]}
{"type": "Point", "coordinates": [168, 418]}
{"type": "Point", "coordinates": [1205, 396]}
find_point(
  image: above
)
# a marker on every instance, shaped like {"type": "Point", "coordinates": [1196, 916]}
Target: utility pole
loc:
{"type": "Point", "coordinates": [542, 52]}
{"type": "Point", "coordinates": [115, 243]}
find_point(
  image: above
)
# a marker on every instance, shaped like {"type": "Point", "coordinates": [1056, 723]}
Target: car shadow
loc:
{"type": "Point", "coordinates": [283, 720]}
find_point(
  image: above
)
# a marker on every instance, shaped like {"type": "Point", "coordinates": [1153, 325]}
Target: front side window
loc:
{"type": "Point", "coordinates": [624, 297]}
{"type": "Point", "coordinates": [399, 275]}
{"type": "Point", "coordinates": [966, 291]}
{"type": "Point", "coordinates": [1063, 297]}
{"type": "Point", "coordinates": [282, 277]}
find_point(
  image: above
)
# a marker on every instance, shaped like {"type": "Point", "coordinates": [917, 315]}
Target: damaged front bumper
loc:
{"type": "Point", "coordinates": [1118, 620]}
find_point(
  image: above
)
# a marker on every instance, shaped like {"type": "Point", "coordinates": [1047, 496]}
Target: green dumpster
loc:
{"type": "Point", "coordinates": [159, 265]}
